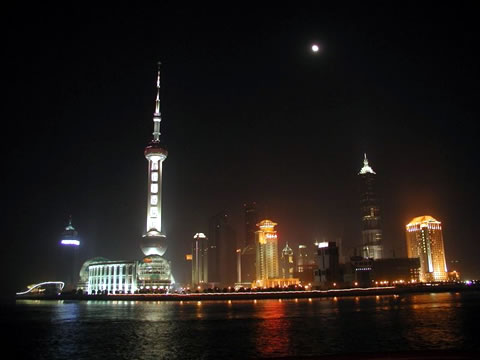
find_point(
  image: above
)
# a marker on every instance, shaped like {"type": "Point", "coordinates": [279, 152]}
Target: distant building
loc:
{"type": "Point", "coordinates": [358, 272]}
{"type": "Point", "coordinates": [327, 274]}
{"type": "Point", "coordinates": [305, 265]}
{"type": "Point", "coordinates": [396, 270]}
{"type": "Point", "coordinates": [425, 241]}
{"type": "Point", "coordinates": [266, 252]}
{"type": "Point", "coordinates": [302, 258]}
{"type": "Point", "coordinates": [69, 243]}
{"type": "Point", "coordinates": [199, 260]}
{"type": "Point", "coordinates": [372, 237]}
{"type": "Point", "coordinates": [248, 249]}
{"type": "Point", "coordinates": [222, 255]}
{"type": "Point", "coordinates": [287, 262]}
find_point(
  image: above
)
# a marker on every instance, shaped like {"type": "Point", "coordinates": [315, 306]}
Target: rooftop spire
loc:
{"type": "Point", "coordinates": [366, 168]}
{"type": "Point", "coordinates": [157, 116]}
{"type": "Point", "coordinates": [70, 226]}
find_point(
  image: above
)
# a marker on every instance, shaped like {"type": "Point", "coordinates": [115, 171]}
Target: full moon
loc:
{"type": "Point", "coordinates": [315, 48]}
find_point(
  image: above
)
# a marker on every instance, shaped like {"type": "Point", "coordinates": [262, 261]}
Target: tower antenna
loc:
{"type": "Point", "coordinates": [157, 116]}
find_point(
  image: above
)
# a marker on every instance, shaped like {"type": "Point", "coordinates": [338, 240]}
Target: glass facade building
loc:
{"type": "Point", "coordinates": [425, 241]}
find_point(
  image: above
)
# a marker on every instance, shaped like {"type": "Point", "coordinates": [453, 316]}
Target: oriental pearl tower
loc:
{"type": "Point", "coordinates": [154, 241]}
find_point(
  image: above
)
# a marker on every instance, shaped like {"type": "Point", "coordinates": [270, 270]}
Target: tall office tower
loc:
{"type": "Point", "coordinates": [287, 262]}
{"type": "Point", "coordinates": [266, 252]}
{"type": "Point", "coordinates": [425, 241]}
{"type": "Point", "coordinates": [372, 243]}
{"type": "Point", "coordinates": [70, 243]}
{"type": "Point", "coordinates": [222, 264]}
{"type": "Point", "coordinates": [199, 260]}
{"type": "Point", "coordinates": [248, 248]}
{"type": "Point", "coordinates": [154, 242]}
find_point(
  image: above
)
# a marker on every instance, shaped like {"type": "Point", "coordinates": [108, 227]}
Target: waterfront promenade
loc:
{"type": "Point", "coordinates": [251, 295]}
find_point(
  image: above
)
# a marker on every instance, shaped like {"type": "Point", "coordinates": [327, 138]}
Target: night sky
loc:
{"type": "Point", "coordinates": [249, 113]}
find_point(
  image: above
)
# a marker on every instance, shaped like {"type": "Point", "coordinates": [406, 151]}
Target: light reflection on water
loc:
{"type": "Point", "coordinates": [244, 328]}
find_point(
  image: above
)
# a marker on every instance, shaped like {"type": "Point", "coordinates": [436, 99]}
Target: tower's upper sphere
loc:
{"type": "Point", "coordinates": [155, 148]}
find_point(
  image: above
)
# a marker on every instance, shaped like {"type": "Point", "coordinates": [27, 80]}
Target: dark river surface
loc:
{"type": "Point", "coordinates": [242, 329]}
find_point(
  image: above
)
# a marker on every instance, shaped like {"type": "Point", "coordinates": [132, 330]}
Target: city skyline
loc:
{"type": "Point", "coordinates": [316, 114]}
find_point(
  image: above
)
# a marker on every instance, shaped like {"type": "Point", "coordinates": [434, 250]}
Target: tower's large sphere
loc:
{"type": "Point", "coordinates": [154, 243]}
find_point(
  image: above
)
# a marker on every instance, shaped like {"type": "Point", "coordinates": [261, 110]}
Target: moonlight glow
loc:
{"type": "Point", "coordinates": [315, 48]}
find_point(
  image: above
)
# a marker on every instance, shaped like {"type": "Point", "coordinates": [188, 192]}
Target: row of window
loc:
{"type": "Point", "coordinates": [98, 280]}
{"type": "Point", "coordinates": [110, 270]}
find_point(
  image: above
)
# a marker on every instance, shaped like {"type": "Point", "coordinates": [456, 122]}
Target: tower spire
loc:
{"type": "Point", "coordinates": [366, 168]}
{"type": "Point", "coordinates": [157, 116]}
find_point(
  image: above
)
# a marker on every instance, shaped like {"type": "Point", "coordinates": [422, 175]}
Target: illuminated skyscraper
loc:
{"type": "Point", "coordinates": [287, 262]}
{"type": "Point", "coordinates": [425, 241]}
{"type": "Point", "coordinates": [266, 252]}
{"type": "Point", "coordinates": [199, 259]}
{"type": "Point", "coordinates": [154, 242]}
{"type": "Point", "coordinates": [372, 244]}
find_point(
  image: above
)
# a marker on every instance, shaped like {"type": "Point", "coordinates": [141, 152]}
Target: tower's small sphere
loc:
{"type": "Point", "coordinates": [153, 243]}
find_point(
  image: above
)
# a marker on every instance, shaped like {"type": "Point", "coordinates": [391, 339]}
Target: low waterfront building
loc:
{"type": "Point", "coordinates": [151, 274]}
{"type": "Point", "coordinates": [358, 272]}
{"type": "Point", "coordinates": [396, 270]}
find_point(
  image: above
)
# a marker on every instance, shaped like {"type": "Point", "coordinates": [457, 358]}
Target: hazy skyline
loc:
{"type": "Point", "coordinates": [249, 113]}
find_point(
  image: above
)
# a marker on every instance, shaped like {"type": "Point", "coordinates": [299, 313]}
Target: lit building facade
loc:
{"type": "Point", "coordinates": [266, 252]}
{"type": "Point", "coordinates": [425, 241]}
{"type": "Point", "coordinates": [199, 260]}
{"type": "Point", "coordinates": [372, 235]}
{"type": "Point", "coordinates": [110, 277]}
{"type": "Point", "coordinates": [102, 276]}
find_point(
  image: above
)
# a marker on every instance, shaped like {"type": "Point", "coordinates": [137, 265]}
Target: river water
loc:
{"type": "Point", "coordinates": [243, 329]}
